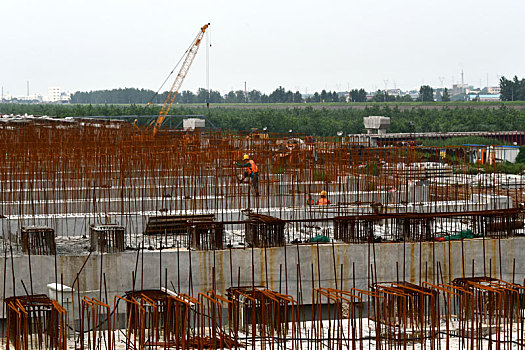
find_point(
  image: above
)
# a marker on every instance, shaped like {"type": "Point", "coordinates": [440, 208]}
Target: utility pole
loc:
{"type": "Point", "coordinates": [28, 89]}
{"type": "Point", "coordinates": [245, 94]}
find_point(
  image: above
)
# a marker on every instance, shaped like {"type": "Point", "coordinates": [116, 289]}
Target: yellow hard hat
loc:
{"type": "Point", "coordinates": [246, 157]}
{"type": "Point", "coordinates": [323, 193]}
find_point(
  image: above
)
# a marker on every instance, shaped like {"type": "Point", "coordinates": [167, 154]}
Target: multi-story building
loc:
{"type": "Point", "coordinates": [54, 94]}
{"type": "Point", "coordinates": [460, 88]}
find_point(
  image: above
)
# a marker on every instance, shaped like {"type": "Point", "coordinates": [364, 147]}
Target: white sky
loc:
{"type": "Point", "coordinates": [300, 45]}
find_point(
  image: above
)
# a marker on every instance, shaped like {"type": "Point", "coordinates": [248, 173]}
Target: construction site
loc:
{"type": "Point", "coordinates": [120, 234]}
{"type": "Point", "coordinates": [137, 241]}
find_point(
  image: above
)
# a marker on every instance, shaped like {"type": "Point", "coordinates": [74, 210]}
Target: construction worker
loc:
{"type": "Point", "coordinates": [323, 200]}
{"type": "Point", "coordinates": [251, 171]}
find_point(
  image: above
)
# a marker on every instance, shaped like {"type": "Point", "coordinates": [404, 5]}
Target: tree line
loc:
{"type": "Point", "coordinates": [512, 90]}
{"type": "Point", "coordinates": [143, 96]}
{"type": "Point", "coordinates": [279, 95]}
{"type": "Point", "coordinates": [307, 120]}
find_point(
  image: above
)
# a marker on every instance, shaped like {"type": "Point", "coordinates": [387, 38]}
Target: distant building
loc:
{"type": "Point", "coordinates": [460, 89]}
{"type": "Point", "coordinates": [486, 154]}
{"type": "Point", "coordinates": [6, 98]}
{"type": "Point", "coordinates": [53, 94]}
{"type": "Point", "coordinates": [493, 89]}
{"type": "Point", "coordinates": [414, 94]}
{"type": "Point", "coordinates": [56, 95]}
{"type": "Point", "coordinates": [32, 98]}
{"type": "Point", "coordinates": [35, 98]}
{"type": "Point", "coordinates": [472, 91]}
{"type": "Point", "coordinates": [394, 92]}
{"type": "Point", "coordinates": [483, 98]}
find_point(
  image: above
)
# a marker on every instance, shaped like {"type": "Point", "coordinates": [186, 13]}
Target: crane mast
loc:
{"type": "Point", "coordinates": [188, 60]}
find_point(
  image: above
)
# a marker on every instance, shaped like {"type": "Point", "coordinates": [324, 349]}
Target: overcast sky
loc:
{"type": "Point", "coordinates": [83, 45]}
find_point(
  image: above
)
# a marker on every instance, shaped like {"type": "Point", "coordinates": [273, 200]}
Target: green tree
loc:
{"type": "Point", "coordinates": [379, 96]}
{"type": "Point", "coordinates": [358, 95]}
{"type": "Point", "coordinates": [230, 97]}
{"type": "Point", "coordinates": [278, 96]}
{"type": "Point", "coordinates": [202, 96]}
{"type": "Point", "coordinates": [521, 155]}
{"type": "Point", "coordinates": [297, 98]}
{"type": "Point", "coordinates": [405, 98]}
{"type": "Point", "coordinates": [254, 96]}
{"type": "Point", "coordinates": [446, 96]}
{"type": "Point", "coordinates": [512, 90]}
{"type": "Point", "coordinates": [215, 97]}
{"type": "Point", "coordinates": [426, 94]}
{"type": "Point", "coordinates": [240, 97]}
{"type": "Point", "coordinates": [187, 96]}
{"type": "Point", "coordinates": [389, 98]}
{"type": "Point", "coordinates": [353, 94]}
{"type": "Point", "coordinates": [324, 96]}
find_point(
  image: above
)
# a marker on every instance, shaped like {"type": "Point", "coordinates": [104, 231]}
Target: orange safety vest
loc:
{"type": "Point", "coordinates": [323, 201]}
{"type": "Point", "coordinates": [253, 168]}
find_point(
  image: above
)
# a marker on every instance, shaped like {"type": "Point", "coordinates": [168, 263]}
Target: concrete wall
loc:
{"type": "Point", "coordinates": [292, 269]}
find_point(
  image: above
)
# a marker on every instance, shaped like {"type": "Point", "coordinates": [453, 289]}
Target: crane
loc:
{"type": "Point", "coordinates": [188, 60]}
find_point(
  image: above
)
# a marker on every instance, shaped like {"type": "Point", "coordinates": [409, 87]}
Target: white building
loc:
{"type": "Point", "coordinates": [54, 94]}
{"type": "Point", "coordinates": [31, 98]}
{"type": "Point", "coordinates": [494, 89]}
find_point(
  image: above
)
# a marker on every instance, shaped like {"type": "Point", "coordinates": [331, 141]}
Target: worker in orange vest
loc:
{"type": "Point", "coordinates": [251, 171]}
{"type": "Point", "coordinates": [323, 200]}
